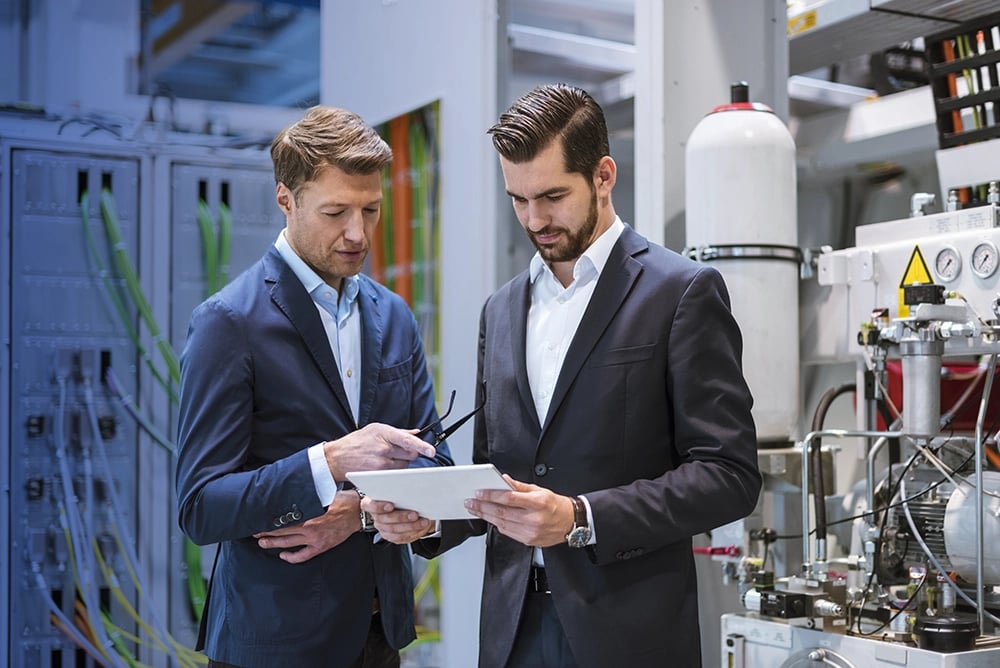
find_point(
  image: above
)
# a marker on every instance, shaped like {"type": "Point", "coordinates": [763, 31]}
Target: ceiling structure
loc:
{"type": "Point", "coordinates": [267, 52]}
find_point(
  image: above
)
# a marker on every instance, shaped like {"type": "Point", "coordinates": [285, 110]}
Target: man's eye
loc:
{"type": "Point", "coordinates": [372, 210]}
{"type": "Point", "coordinates": [553, 198]}
{"type": "Point", "coordinates": [333, 214]}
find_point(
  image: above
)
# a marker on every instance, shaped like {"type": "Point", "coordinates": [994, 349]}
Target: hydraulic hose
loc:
{"type": "Point", "coordinates": [816, 455]}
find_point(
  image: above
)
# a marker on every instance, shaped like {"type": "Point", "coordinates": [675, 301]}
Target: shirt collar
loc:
{"type": "Point", "coordinates": [350, 285]}
{"type": "Point", "coordinates": [595, 256]}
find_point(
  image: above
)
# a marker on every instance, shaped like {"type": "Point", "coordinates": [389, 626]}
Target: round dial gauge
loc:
{"type": "Point", "coordinates": [948, 264]}
{"type": "Point", "coordinates": [984, 260]}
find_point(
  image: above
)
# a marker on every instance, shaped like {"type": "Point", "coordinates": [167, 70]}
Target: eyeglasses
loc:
{"type": "Point", "coordinates": [445, 433]}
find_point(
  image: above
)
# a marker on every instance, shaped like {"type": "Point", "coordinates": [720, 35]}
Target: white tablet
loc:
{"type": "Point", "coordinates": [436, 492]}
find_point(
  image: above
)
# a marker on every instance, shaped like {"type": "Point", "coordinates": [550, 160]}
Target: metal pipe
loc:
{"type": "Point", "coordinates": [980, 453]}
{"type": "Point", "coordinates": [870, 472]}
{"type": "Point", "coordinates": [806, 445]}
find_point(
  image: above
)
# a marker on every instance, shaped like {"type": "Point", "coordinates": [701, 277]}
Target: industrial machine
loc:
{"type": "Point", "coordinates": [915, 306]}
{"type": "Point", "coordinates": [917, 581]}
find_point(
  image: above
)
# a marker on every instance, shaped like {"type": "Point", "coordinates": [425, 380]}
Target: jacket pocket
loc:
{"type": "Point", "coordinates": [627, 355]}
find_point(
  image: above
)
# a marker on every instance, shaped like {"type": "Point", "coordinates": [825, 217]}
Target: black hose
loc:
{"type": "Point", "coordinates": [895, 454]}
{"type": "Point", "coordinates": [816, 454]}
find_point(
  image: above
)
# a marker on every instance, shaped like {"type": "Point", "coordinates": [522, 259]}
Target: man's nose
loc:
{"type": "Point", "coordinates": [538, 216]}
{"type": "Point", "coordinates": [354, 230]}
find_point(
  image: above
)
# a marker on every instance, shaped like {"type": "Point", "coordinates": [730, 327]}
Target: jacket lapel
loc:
{"type": "Point", "coordinates": [288, 295]}
{"type": "Point", "coordinates": [617, 278]}
{"type": "Point", "coordinates": [371, 346]}
{"type": "Point", "coordinates": [520, 302]}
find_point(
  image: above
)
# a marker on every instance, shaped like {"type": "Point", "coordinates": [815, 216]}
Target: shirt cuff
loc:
{"type": "Point", "coordinates": [326, 486]}
{"type": "Point", "coordinates": [590, 521]}
{"type": "Point", "coordinates": [434, 534]}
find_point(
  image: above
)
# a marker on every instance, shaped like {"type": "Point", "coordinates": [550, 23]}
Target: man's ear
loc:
{"type": "Point", "coordinates": [285, 198]}
{"type": "Point", "coordinates": [605, 175]}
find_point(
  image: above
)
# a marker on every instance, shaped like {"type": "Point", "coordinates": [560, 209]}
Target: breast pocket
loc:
{"type": "Point", "coordinates": [394, 373]}
{"type": "Point", "coordinates": [624, 355]}
{"type": "Point", "coordinates": [394, 394]}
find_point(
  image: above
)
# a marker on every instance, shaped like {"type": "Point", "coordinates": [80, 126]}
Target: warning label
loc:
{"type": "Point", "coordinates": [916, 273]}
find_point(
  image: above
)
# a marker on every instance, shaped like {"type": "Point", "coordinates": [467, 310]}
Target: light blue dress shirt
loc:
{"type": "Point", "coordinates": [342, 322]}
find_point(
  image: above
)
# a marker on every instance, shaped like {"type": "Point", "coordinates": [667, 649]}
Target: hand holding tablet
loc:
{"type": "Point", "coordinates": [436, 492]}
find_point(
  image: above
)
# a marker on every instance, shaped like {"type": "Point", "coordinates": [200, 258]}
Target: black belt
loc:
{"type": "Point", "coordinates": [538, 582]}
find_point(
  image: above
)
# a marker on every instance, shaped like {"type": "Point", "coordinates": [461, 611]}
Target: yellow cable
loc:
{"type": "Point", "coordinates": [116, 590]}
{"type": "Point", "coordinates": [69, 634]}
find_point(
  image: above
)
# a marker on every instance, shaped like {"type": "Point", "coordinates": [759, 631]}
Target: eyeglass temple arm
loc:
{"type": "Point", "coordinates": [428, 428]}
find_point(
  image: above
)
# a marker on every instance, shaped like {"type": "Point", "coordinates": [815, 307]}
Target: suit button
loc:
{"type": "Point", "coordinates": [541, 469]}
{"type": "Point", "coordinates": [276, 521]}
{"type": "Point", "coordinates": [296, 515]}
{"type": "Point", "coordinates": [287, 518]}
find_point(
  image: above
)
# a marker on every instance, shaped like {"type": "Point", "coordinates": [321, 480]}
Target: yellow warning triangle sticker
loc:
{"type": "Point", "coordinates": [916, 273]}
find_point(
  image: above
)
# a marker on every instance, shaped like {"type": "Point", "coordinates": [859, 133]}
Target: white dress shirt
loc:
{"type": "Point", "coordinates": [342, 322]}
{"type": "Point", "coordinates": [553, 318]}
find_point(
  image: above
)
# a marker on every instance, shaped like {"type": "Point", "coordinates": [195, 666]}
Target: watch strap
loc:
{"type": "Point", "coordinates": [367, 521]}
{"type": "Point", "coordinates": [579, 512]}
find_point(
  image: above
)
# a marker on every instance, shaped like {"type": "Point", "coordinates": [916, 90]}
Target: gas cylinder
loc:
{"type": "Point", "coordinates": [740, 217]}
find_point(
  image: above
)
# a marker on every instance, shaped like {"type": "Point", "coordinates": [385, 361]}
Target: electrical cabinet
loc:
{"type": "Point", "coordinates": [106, 242]}
{"type": "Point", "coordinates": [71, 456]}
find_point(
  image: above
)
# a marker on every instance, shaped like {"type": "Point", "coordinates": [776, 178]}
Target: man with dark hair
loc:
{"type": "Point", "coordinates": [291, 377]}
{"type": "Point", "coordinates": [615, 405]}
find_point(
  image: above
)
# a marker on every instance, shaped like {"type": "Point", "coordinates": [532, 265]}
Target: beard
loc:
{"type": "Point", "coordinates": [575, 243]}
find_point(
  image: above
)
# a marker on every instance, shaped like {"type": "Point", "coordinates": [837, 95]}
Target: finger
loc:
{"type": "Point", "coordinates": [400, 520]}
{"type": "Point", "coordinates": [518, 485]}
{"type": "Point", "coordinates": [496, 496]}
{"type": "Point", "coordinates": [287, 540]}
{"type": "Point", "coordinates": [287, 531]}
{"type": "Point", "coordinates": [485, 510]}
{"type": "Point", "coordinates": [299, 556]}
{"type": "Point", "coordinates": [376, 507]}
{"type": "Point", "coordinates": [412, 446]}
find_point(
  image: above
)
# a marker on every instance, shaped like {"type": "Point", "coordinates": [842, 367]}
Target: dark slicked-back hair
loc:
{"type": "Point", "coordinates": [551, 111]}
{"type": "Point", "coordinates": [324, 137]}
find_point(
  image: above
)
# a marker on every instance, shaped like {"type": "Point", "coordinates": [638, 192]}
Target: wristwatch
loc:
{"type": "Point", "coordinates": [580, 534]}
{"type": "Point", "coordinates": [367, 521]}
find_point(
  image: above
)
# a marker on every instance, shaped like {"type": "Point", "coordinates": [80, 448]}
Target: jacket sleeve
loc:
{"type": "Point", "coordinates": [222, 495]}
{"type": "Point", "coordinates": [716, 478]}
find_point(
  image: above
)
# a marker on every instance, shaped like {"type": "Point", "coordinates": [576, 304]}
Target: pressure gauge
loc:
{"type": "Point", "coordinates": [948, 264]}
{"type": "Point", "coordinates": [984, 259]}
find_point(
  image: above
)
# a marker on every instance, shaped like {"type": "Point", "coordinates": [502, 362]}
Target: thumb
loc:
{"type": "Point", "coordinates": [518, 486]}
{"type": "Point", "coordinates": [299, 556]}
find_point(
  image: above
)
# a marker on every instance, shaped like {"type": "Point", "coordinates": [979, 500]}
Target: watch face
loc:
{"type": "Point", "coordinates": [578, 537]}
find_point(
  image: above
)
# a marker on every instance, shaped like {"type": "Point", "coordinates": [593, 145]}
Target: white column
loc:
{"type": "Point", "coordinates": [383, 59]}
{"type": "Point", "coordinates": [687, 55]}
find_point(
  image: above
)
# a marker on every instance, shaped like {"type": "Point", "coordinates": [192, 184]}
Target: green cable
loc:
{"type": "Point", "coordinates": [197, 587]}
{"type": "Point", "coordinates": [209, 249]}
{"type": "Point", "coordinates": [128, 272]}
{"type": "Point", "coordinates": [225, 243]}
{"type": "Point", "coordinates": [432, 127]}
{"type": "Point", "coordinates": [387, 245]}
{"type": "Point", "coordinates": [117, 641]}
{"type": "Point", "coordinates": [113, 293]}
{"type": "Point", "coordinates": [965, 51]}
{"type": "Point", "coordinates": [418, 163]}
{"type": "Point", "coordinates": [192, 553]}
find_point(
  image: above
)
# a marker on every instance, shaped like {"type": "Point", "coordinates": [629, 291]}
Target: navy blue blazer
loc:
{"type": "Point", "coordinates": [650, 419]}
{"type": "Point", "coordinates": [259, 385]}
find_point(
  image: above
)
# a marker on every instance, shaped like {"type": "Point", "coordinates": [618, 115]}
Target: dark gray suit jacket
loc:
{"type": "Point", "coordinates": [650, 419]}
{"type": "Point", "coordinates": [259, 385]}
